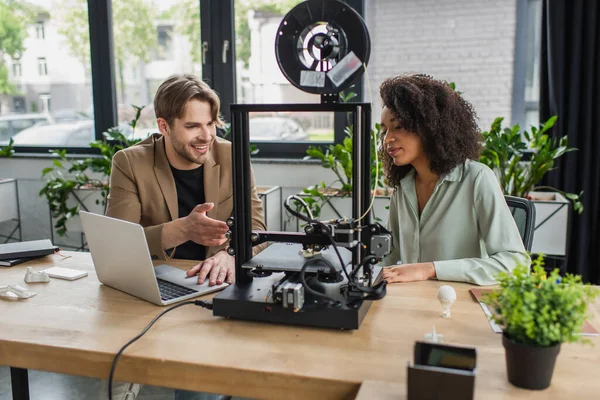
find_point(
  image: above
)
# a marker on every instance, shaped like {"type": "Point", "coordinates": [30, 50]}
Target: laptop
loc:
{"type": "Point", "coordinates": [122, 261]}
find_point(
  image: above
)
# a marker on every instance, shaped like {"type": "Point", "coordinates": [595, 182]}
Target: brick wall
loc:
{"type": "Point", "coordinates": [469, 42]}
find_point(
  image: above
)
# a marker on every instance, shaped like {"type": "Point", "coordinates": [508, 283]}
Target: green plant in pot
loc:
{"type": "Point", "coordinates": [67, 176]}
{"type": "Point", "coordinates": [504, 151]}
{"type": "Point", "coordinates": [538, 312]}
{"type": "Point", "coordinates": [338, 158]}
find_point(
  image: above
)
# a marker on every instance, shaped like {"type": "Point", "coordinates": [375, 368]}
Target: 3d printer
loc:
{"type": "Point", "coordinates": [325, 276]}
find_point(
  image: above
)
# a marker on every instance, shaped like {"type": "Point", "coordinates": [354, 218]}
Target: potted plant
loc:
{"type": "Point", "coordinates": [538, 312]}
{"type": "Point", "coordinates": [336, 195]}
{"type": "Point", "coordinates": [69, 187]}
{"type": "Point", "coordinates": [332, 200]}
{"type": "Point", "coordinates": [505, 151]}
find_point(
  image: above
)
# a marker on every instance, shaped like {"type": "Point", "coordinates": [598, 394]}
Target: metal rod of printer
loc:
{"type": "Point", "coordinates": [242, 210]}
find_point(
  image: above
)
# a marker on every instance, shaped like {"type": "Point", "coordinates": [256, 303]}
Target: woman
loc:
{"type": "Point", "coordinates": [448, 216]}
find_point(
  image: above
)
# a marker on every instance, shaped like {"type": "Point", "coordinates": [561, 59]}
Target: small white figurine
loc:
{"type": "Point", "coordinates": [446, 297]}
{"type": "Point", "coordinates": [433, 337]}
{"type": "Point", "coordinates": [15, 292]}
{"type": "Point", "coordinates": [32, 276]}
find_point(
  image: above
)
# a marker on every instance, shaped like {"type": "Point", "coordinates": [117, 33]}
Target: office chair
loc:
{"type": "Point", "coordinates": [523, 211]}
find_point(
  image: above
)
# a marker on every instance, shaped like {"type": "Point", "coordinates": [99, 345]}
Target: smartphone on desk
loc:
{"type": "Point", "coordinates": [445, 356]}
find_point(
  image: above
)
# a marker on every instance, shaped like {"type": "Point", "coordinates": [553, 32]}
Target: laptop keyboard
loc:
{"type": "Point", "coordinates": [169, 290]}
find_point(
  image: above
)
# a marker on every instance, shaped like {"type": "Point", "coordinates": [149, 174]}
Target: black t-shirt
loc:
{"type": "Point", "coordinates": [190, 193]}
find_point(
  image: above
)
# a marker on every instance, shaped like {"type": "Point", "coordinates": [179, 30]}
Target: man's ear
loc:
{"type": "Point", "coordinates": [163, 126]}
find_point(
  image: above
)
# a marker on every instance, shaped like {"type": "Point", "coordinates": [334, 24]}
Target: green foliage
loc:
{"type": "Point", "coordinates": [540, 310]}
{"type": "Point", "coordinates": [66, 176]}
{"type": "Point", "coordinates": [6, 87]}
{"type": "Point", "coordinates": [7, 151]}
{"type": "Point", "coordinates": [187, 15]}
{"type": "Point", "coordinates": [338, 158]}
{"type": "Point", "coordinates": [453, 86]}
{"type": "Point", "coordinates": [134, 31]}
{"type": "Point", "coordinates": [504, 150]}
{"type": "Point", "coordinates": [14, 17]}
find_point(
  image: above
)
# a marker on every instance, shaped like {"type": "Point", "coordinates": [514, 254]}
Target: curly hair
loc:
{"type": "Point", "coordinates": [445, 123]}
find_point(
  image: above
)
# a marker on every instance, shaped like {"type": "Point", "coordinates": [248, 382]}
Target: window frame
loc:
{"type": "Point", "coordinates": [42, 66]}
{"type": "Point", "coordinates": [520, 106]}
{"type": "Point", "coordinates": [217, 26]}
{"type": "Point", "coordinates": [40, 30]}
{"type": "Point", "coordinates": [222, 79]}
{"type": "Point", "coordinates": [16, 66]}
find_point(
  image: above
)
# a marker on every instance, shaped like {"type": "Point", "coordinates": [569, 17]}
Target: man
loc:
{"type": "Point", "coordinates": [178, 185]}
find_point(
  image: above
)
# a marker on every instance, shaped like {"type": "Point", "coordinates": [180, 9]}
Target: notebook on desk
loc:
{"type": "Point", "coordinates": [588, 329]}
{"type": "Point", "coordinates": [15, 261]}
{"type": "Point", "coordinates": [29, 249]}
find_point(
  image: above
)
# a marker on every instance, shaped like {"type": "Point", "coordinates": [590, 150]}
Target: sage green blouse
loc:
{"type": "Point", "coordinates": [465, 229]}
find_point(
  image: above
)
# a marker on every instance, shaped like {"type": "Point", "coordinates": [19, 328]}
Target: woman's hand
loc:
{"type": "Point", "coordinates": [409, 272]}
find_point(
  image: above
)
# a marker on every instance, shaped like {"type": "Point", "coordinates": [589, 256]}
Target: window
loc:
{"type": "Point", "coordinates": [19, 124]}
{"type": "Point", "coordinates": [39, 30]}
{"type": "Point", "coordinates": [170, 36]}
{"type": "Point", "coordinates": [532, 66]}
{"type": "Point", "coordinates": [51, 103]}
{"type": "Point", "coordinates": [42, 66]}
{"type": "Point", "coordinates": [164, 40]}
{"type": "Point", "coordinates": [526, 90]}
{"type": "Point", "coordinates": [45, 100]}
{"type": "Point", "coordinates": [16, 69]}
{"type": "Point", "coordinates": [259, 80]}
{"type": "Point", "coordinates": [5, 131]}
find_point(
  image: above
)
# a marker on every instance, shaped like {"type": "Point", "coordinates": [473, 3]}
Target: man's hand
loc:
{"type": "Point", "coordinates": [218, 268]}
{"type": "Point", "coordinates": [202, 229]}
{"type": "Point", "coordinates": [409, 272]}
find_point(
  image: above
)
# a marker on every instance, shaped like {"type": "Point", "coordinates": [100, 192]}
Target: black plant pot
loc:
{"type": "Point", "coordinates": [529, 367]}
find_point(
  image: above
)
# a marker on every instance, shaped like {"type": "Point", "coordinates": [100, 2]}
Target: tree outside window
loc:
{"type": "Point", "coordinates": [14, 17]}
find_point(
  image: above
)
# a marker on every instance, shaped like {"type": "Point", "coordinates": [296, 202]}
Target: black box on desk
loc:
{"type": "Point", "coordinates": [441, 371]}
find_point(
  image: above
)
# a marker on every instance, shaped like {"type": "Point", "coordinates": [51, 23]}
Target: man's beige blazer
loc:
{"type": "Point", "coordinates": [142, 190]}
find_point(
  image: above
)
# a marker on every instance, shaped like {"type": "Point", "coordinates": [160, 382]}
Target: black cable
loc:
{"type": "Point", "coordinates": [295, 213]}
{"type": "Point", "coordinates": [324, 227]}
{"type": "Point", "coordinates": [199, 303]}
{"type": "Point", "coordinates": [374, 292]}
{"type": "Point", "coordinates": [362, 263]}
{"type": "Point", "coordinates": [307, 288]}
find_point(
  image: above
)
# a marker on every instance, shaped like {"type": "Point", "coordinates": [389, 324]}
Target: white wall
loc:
{"type": "Point", "coordinates": [291, 177]}
{"type": "Point", "coordinates": [287, 175]}
{"type": "Point", "coordinates": [469, 42]}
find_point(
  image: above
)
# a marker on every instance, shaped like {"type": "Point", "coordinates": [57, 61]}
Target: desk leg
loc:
{"type": "Point", "coordinates": [20, 383]}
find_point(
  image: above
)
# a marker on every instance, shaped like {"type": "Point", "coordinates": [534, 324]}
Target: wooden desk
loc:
{"type": "Point", "coordinates": [77, 327]}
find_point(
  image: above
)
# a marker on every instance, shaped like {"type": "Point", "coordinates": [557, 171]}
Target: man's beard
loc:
{"type": "Point", "coordinates": [186, 152]}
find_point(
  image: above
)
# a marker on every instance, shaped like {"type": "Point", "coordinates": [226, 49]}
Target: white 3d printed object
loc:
{"type": "Point", "coordinates": [32, 276]}
{"type": "Point", "coordinates": [15, 292]}
{"type": "Point", "coordinates": [446, 297]}
{"type": "Point", "coordinates": [433, 337]}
